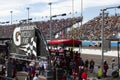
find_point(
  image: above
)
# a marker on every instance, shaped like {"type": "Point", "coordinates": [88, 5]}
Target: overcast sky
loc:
{"type": "Point", "coordinates": [40, 8]}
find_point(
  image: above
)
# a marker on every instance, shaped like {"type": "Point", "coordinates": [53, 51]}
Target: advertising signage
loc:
{"type": "Point", "coordinates": [24, 39]}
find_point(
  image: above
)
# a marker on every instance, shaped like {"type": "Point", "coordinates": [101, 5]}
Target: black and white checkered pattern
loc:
{"type": "Point", "coordinates": [30, 47]}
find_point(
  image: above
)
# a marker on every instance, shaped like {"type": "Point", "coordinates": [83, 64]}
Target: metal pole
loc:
{"type": "Point", "coordinates": [81, 11]}
{"type": "Point", "coordinates": [11, 16]}
{"type": "Point", "coordinates": [50, 22]}
{"type": "Point", "coordinates": [102, 35]}
{"type": "Point", "coordinates": [118, 56]}
{"type": "Point", "coordinates": [115, 12]}
{"type": "Point", "coordinates": [28, 13]}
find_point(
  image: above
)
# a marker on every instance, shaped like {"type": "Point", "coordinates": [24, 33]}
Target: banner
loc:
{"type": "Point", "coordinates": [24, 39]}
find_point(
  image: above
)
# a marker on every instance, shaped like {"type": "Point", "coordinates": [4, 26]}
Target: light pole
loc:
{"type": "Point", "coordinates": [118, 52]}
{"type": "Point", "coordinates": [50, 21]}
{"type": "Point", "coordinates": [11, 16]}
{"type": "Point", "coordinates": [102, 34]}
{"type": "Point", "coordinates": [118, 37]}
{"type": "Point", "coordinates": [81, 11]}
{"type": "Point", "coordinates": [28, 13]}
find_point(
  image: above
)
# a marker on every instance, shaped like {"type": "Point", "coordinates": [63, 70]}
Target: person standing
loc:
{"type": "Point", "coordinates": [28, 77]}
{"type": "Point", "coordinates": [92, 63]}
{"type": "Point", "coordinates": [81, 69]}
{"type": "Point", "coordinates": [41, 67]}
{"type": "Point", "coordinates": [86, 63]}
{"type": "Point", "coordinates": [84, 74]}
{"type": "Point", "coordinates": [113, 63]}
{"type": "Point", "coordinates": [105, 68]}
{"type": "Point", "coordinates": [99, 72]}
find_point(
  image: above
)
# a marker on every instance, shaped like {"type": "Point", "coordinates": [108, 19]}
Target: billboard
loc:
{"type": "Point", "coordinates": [24, 40]}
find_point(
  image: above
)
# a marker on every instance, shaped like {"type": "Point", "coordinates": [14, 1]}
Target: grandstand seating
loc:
{"type": "Point", "coordinates": [91, 30]}
{"type": "Point", "coordinates": [7, 30]}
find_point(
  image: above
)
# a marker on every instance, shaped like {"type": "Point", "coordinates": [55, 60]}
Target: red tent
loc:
{"type": "Point", "coordinates": [65, 42]}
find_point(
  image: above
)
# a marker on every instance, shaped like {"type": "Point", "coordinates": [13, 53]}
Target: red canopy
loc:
{"type": "Point", "coordinates": [65, 42]}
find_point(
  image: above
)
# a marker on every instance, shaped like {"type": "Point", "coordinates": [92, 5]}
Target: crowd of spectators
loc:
{"type": "Point", "coordinates": [9, 66]}
{"type": "Point", "coordinates": [44, 26]}
{"type": "Point", "coordinates": [70, 65]}
{"type": "Point", "coordinates": [67, 62]}
{"type": "Point", "coordinates": [71, 62]}
{"type": "Point", "coordinates": [91, 30]}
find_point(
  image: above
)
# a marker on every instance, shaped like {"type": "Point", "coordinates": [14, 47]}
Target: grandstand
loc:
{"type": "Point", "coordinates": [57, 25]}
{"type": "Point", "coordinates": [91, 30]}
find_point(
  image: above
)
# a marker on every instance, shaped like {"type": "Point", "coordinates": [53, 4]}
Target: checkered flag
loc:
{"type": "Point", "coordinates": [30, 47]}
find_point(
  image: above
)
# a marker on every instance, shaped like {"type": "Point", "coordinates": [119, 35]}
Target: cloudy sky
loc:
{"type": "Point", "coordinates": [40, 10]}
